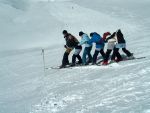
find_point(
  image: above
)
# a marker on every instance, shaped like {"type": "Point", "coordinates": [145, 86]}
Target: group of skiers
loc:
{"type": "Point", "coordinates": [114, 42]}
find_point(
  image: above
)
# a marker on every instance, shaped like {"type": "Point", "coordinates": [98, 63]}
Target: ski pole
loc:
{"type": "Point", "coordinates": [43, 53]}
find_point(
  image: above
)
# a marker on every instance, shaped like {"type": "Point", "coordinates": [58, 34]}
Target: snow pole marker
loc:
{"type": "Point", "coordinates": [44, 66]}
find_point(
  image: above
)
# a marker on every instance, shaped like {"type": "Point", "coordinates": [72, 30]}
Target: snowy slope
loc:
{"type": "Point", "coordinates": [31, 27]}
{"type": "Point", "coordinates": [28, 26]}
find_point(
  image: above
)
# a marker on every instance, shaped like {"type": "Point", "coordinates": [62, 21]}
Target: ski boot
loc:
{"type": "Point", "coordinates": [118, 60]}
{"type": "Point", "coordinates": [62, 66]}
{"type": "Point", "coordinates": [130, 57]}
{"type": "Point", "coordinates": [105, 63]}
{"type": "Point", "coordinates": [112, 61]}
{"type": "Point", "coordinates": [72, 65]}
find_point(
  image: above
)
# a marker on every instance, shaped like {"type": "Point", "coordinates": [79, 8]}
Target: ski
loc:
{"type": "Point", "coordinates": [58, 67]}
{"type": "Point", "coordinates": [97, 64]}
{"type": "Point", "coordinates": [124, 59]}
{"type": "Point", "coordinates": [135, 58]}
{"type": "Point", "coordinates": [77, 65]}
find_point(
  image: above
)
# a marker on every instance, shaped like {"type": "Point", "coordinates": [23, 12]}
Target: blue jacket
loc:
{"type": "Point", "coordinates": [84, 40]}
{"type": "Point", "coordinates": [96, 38]}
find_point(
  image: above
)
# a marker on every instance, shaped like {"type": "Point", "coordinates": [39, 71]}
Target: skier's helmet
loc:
{"type": "Point", "coordinates": [105, 35]}
{"type": "Point", "coordinates": [81, 33]}
{"type": "Point", "coordinates": [91, 34]}
{"type": "Point", "coordinates": [64, 32]}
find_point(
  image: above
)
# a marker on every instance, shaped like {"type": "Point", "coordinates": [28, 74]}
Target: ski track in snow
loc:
{"type": "Point", "coordinates": [119, 91]}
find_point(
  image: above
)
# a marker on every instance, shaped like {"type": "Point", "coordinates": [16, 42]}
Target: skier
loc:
{"type": "Point", "coordinates": [71, 43]}
{"type": "Point", "coordinates": [96, 38]}
{"type": "Point", "coordinates": [88, 47]}
{"type": "Point", "coordinates": [121, 43]}
{"type": "Point", "coordinates": [111, 42]}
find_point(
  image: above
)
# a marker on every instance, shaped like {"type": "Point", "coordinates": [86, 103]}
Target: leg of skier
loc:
{"type": "Point", "coordinates": [128, 53]}
{"type": "Point", "coordinates": [76, 55]}
{"type": "Point", "coordinates": [80, 59]}
{"type": "Point", "coordinates": [108, 52]}
{"type": "Point", "coordinates": [84, 56]}
{"type": "Point", "coordinates": [110, 47]}
{"type": "Point", "coordinates": [65, 60]}
{"type": "Point", "coordinates": [89, 54]}
{"type": "Point", "coordinates": [102, 53]}
{"type": "Point", "coordinates": [116, 54]}
{"type": "Point", "coordinates": [119, 57]}
{"type": "Point", "coordinates": [78, 50]}
{"type": "Point", "coordinates": [73, 60]}
{"type": "Point", "coordinates": [95, 56]}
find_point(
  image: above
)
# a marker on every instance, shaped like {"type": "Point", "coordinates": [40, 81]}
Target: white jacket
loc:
{"type": "Point", "coordinates": [111, 42]}
{"type": "Point", "coordinates": [114, 39]}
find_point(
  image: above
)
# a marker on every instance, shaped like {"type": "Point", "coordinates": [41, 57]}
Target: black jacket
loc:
{"type": "Point", "coordinates": [120, 37]}
{"type": "Point", "coordinates": [71, 41]}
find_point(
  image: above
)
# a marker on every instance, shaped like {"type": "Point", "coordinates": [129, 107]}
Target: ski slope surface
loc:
{"type": "Point", "coordinates": [28, 26]}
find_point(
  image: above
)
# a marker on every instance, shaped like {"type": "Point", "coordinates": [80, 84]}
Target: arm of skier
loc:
{"type": "Point", "coordinates": [83, 41]}
{"type": "Point", "coordinates": [90, 41]}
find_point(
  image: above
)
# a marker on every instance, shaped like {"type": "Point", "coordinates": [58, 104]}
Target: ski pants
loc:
{"type": "Point", "coordinates": [97, 51]}
{"type": "Point", "coordinates": [123, 47]}
{"type": "Point", "coordinates": [87, 52]}
{"type": "Point", "coordinates": [77, 54]}
{"type": "Point", "coordinates": [108, 52]}
{"type": "Point", "coordinates": [65, 60]}
{"type": "Point", "coordinates": [116, 54]}
{"type": "Point", "coordinates": [127, 52]}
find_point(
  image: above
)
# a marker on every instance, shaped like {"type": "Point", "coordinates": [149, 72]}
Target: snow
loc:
{"type": "Point", "coordinates": [27, 26]}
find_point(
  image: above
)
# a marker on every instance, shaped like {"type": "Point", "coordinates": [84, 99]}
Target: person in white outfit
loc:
{"type": "Point", "coordinates": [111, 43]}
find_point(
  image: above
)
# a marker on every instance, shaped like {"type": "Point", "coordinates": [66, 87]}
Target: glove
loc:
{"type": "Point", "coordinates": [79, 44]}
{"type": "Point", "coordinates": [65, 46]}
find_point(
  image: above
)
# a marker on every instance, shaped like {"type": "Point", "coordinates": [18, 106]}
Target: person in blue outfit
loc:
{"type": "Point", "coordinates": [96, 38]}
{"type": "Point", "coordinates": [87, 50]}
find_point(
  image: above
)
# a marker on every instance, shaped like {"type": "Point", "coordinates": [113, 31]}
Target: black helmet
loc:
{"type": "Point", "coordinates": [81, 33]}
{"type": "Point", "coordinates": [91, 34]}
{"type": "Point", "coordinates": [64, 32]}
